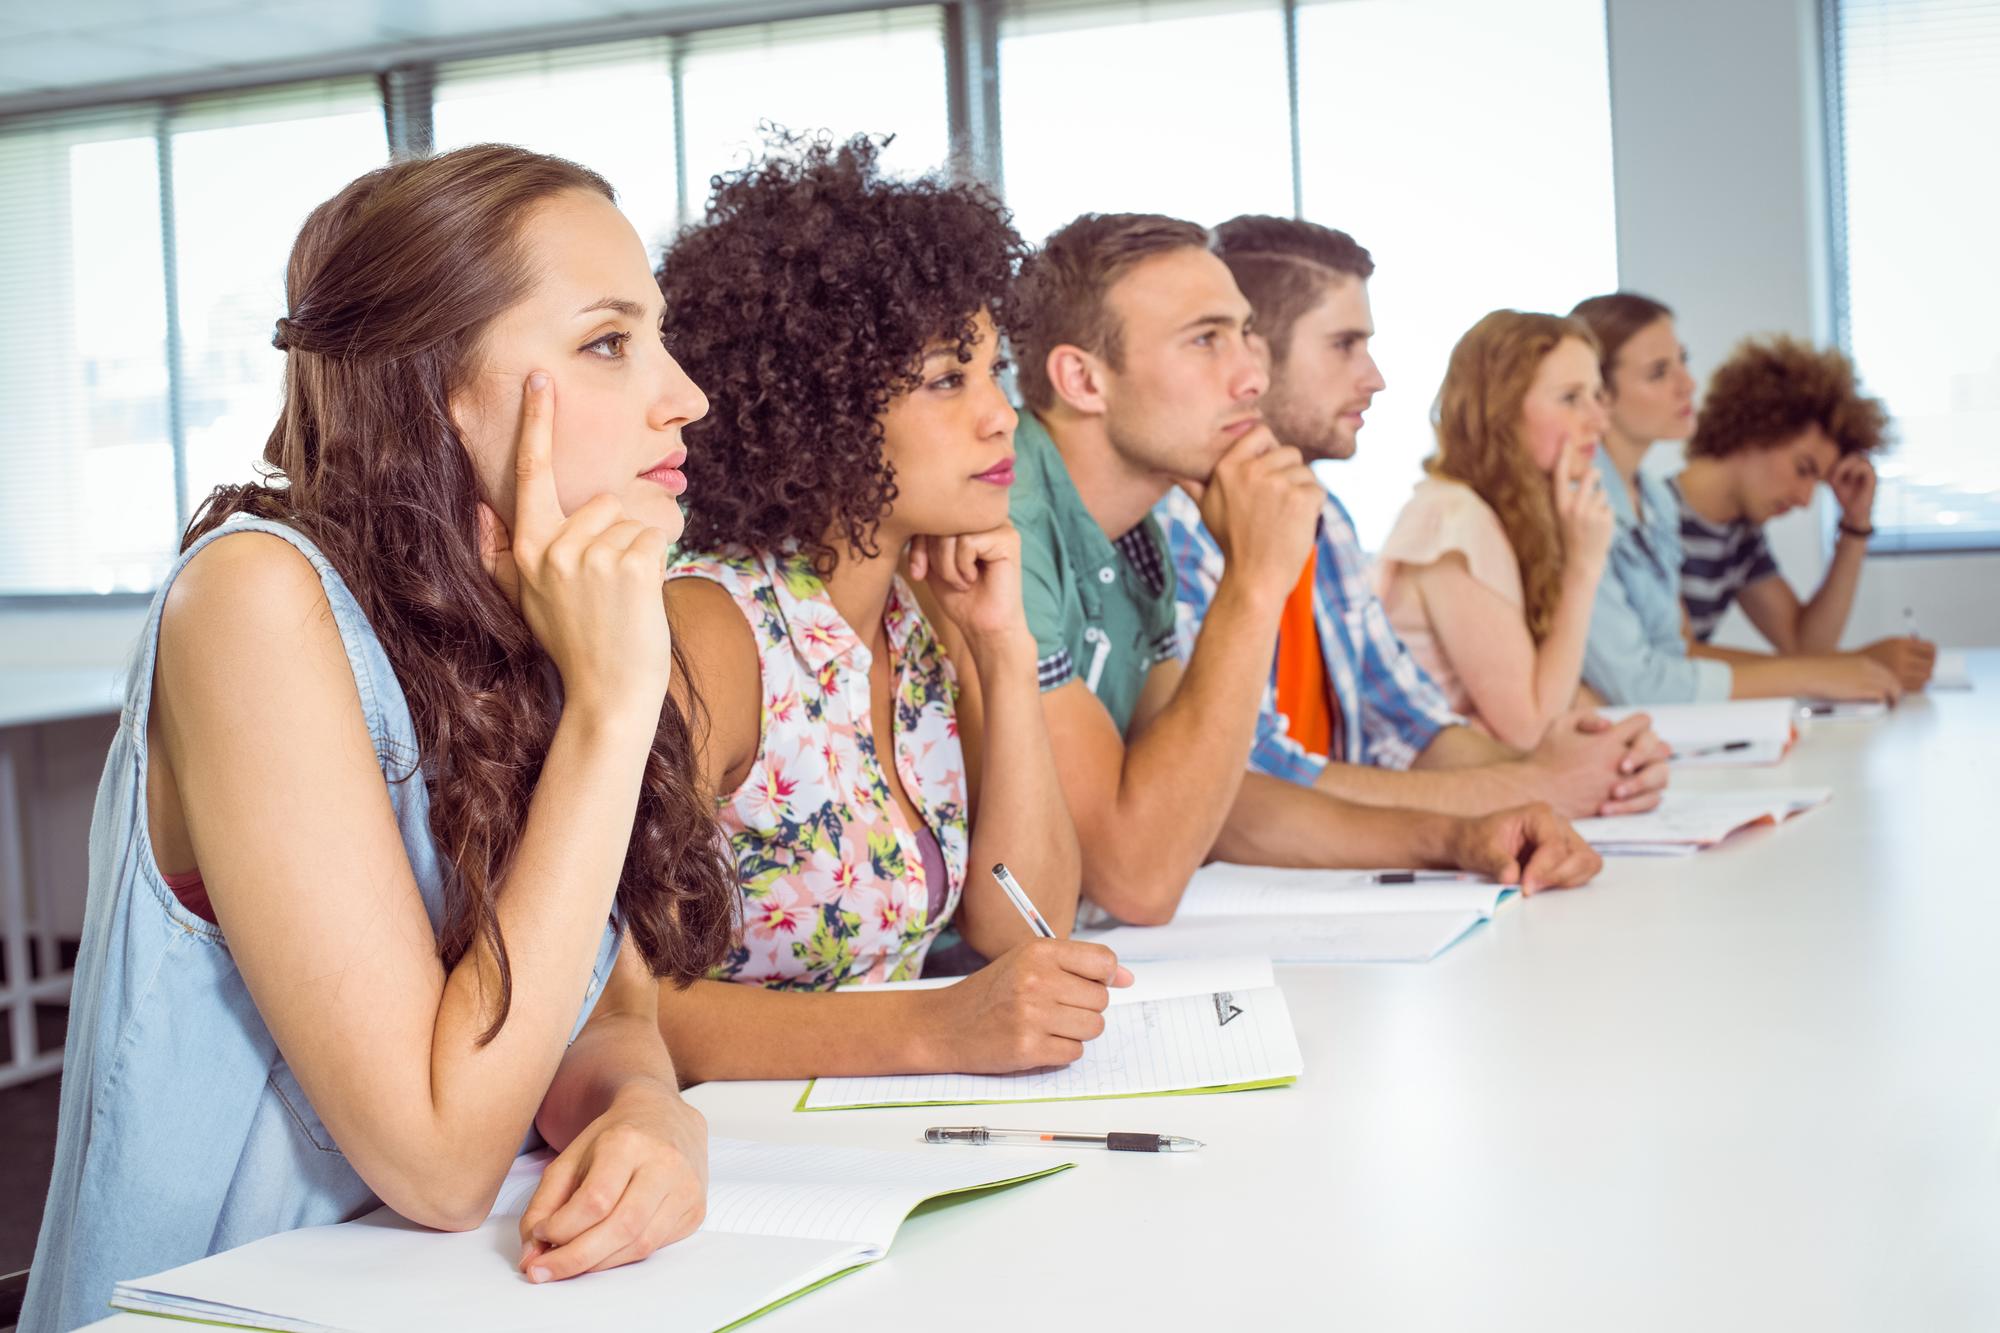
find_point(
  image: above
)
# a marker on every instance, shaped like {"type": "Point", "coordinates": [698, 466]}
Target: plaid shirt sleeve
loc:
{"type": "Point", "coordinates": [1198, 566]}
{"type": "Point", "coordinates": [1402, 709]}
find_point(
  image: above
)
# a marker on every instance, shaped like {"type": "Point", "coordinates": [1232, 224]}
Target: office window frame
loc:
{"type": "Point", "coordinates": [1887, 541]}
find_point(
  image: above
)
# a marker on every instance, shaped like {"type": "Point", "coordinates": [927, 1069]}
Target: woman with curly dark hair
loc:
{"type": "Point", "coordinates": [1781, 417]}
{"type": "Point", "coordinates": [1641, 650]}
{"type": "Point", "coordinates": [401, 822]}
{"type": "Point", "coordinates": [874, 747]}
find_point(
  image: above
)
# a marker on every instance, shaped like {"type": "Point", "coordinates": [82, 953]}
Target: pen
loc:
{"type": "Point", "coordinates": [1022, 903]}
{"type": "Point", "coordinates": [1726, 747]}
{"type": "Point", "coordinates": [1910, 621]}
{"type": "Point", "coordinates": [1420, 877]}
{"type": "Point", "coordinates": [1057, 1138]}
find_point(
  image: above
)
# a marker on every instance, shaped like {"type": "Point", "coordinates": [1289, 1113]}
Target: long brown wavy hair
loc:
{"type": "Point", "coordinates": [1478, 421]}
{"type": "Point", "coordinates": [392, 284]}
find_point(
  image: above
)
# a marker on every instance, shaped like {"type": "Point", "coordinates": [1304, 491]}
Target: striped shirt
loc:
{"type": "Point", "coordinates": [1389, 710]}
{"type": "Point", "coordinates": [1718, 560]}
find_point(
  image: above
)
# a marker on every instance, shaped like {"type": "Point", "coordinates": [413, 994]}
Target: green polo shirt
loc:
{"type": "Point", "coordinates": [1102, 611]}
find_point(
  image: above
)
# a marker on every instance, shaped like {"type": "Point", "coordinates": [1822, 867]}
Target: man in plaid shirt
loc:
{"type": "Point", "coordinates": [1347, 709]}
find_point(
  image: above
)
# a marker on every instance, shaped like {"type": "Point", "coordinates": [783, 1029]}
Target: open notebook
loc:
{"type": "Point", "coordinates": [1311, 916]}
{"type": "Point", "coordinates": [1739, 733]}
{"type": "Point", "coordinates": [1212, 1026]}
{"type": "Point", "coordinates": [782, 1221]}
{"type": "Point", "coordinates": [1686, 822]}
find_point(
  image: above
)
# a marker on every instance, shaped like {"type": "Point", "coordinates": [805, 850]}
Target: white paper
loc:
{"type": "Point", "coordinates": [780, 1217]}
{"type": "Point", "coordinates": [1693, 820]}
{"type": "Point", "coordinates": [1311, 916]}
{"type": "Point", "coordinates": [1950, 672]}
{"type": "Point", "coordinates": [1699, 733]}
{"type": "Point", "coordinates": [1225, 889]}
{"type": "Point", "coordinates": [1176, 1044]}
{"type": "Point", "coordinates": [1358, 937]}
{"type": "Point", "coordinates": [1842, 710]}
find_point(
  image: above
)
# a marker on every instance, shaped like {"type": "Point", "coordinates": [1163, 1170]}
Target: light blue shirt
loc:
{"type": "Point", "coordinates": [1636, 654]}
{"type": "Point", "coordinates": [183, 1130]}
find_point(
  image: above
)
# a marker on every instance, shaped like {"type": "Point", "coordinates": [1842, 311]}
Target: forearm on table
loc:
{"type": "Point", "coordinates": [1458, 791]}
{"type": "Point", "coordinates": [728, 1030]}
{"type": "Point", "coordinates": [1276, 823]}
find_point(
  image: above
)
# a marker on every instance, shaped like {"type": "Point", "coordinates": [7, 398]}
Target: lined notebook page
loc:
{"type": "Point", "coordinates": [1168, 1045]}
{"type": "Point", "coordinates": [1224, 889]}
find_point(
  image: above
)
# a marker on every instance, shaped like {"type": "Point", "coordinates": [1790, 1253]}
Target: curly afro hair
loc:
{"type": "Point", "coordinates": [1770, 389]}
{"type": "Point", "coordinates": [802, 304]}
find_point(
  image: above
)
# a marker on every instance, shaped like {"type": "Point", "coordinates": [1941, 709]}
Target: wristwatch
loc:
{"type": "Point", "coordinates": [1849, 530]}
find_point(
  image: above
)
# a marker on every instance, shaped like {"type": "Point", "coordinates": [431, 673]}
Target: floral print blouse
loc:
{"type": "Point", "coordinates": [833, 879]}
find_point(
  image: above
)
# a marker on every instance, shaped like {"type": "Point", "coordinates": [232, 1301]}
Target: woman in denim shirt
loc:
{"type": "Point", "coordinates": [361, 915]}
{"type": "Point", "coordinates": [1639, 645]}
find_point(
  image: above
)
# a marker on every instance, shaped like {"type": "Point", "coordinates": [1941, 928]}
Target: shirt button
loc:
{"type": "Point", "coordinates": [1105, 575]}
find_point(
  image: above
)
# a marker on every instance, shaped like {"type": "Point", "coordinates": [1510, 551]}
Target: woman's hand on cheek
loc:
{"type": "Point", "coordinates": [587, 583]}
{"type": "Point", "coordinates": [635, 1180]}
{"type": "Point", "coordinates": [976, 577]}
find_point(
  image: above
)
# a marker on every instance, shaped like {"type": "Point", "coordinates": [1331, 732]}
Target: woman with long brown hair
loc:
{"type": "Point", "coordinates": [1491, 568]}
{"type": "Point", "coordinates": [400, 826]}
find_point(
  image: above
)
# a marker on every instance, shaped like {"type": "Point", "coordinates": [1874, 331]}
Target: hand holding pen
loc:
{"type": "Point", "coordinates": [1033, 1007]}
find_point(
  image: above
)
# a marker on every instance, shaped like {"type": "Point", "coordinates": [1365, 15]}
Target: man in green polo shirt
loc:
{"type": "Point", "coordinates": [1140, 372]}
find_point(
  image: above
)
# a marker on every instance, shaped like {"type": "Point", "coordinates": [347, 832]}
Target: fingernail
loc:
{"type": "Point", "coordinates": [527, 1252]}
{"type": "Point", "coordinates": [538, 381]}
{"type": "Point", "coordinates": [538, 1274]}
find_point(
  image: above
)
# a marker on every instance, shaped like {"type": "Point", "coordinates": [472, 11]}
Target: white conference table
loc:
{"type": "Point", "coordinates": [1754, 1089]}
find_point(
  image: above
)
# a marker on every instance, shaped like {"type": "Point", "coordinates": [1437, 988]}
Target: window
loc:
{"type": "Point", "coordinates": [1171, 107]}
{"type": "Point", "coordinates": [1467, 145]}
{"type": "Point", "coordinates": [609, 107]}
{"type": "Point", "coordinates": [247, 171]}
{"type": "Point", "coordinates": [86, 457]}
{"type": "Point", "coordinates": [1913, 221]}
{"type": "Point", "coordinates": [877, 72]}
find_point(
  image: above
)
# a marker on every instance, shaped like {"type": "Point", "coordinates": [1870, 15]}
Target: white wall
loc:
{"type": "Point", "coordinates": [1715, 110]}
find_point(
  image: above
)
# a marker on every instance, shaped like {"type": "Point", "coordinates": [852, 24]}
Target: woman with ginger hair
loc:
{"type": "Point", "coordinates": [1640, 650]}
{"type": "Point", "coordinates": [1490, 571]}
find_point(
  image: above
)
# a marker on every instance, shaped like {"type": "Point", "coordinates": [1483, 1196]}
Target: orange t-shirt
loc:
{"type": "Point", "coordinates": [1305, 693]}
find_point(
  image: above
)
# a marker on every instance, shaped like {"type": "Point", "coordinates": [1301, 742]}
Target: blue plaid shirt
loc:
{"type": "Point", "coordinates": [1390, 708]}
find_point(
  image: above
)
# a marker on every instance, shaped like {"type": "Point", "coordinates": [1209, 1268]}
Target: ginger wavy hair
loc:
{"type": "Point", "coordinates": [392, 284]}
{"type": "Point", "coordinates": [1477, 417]}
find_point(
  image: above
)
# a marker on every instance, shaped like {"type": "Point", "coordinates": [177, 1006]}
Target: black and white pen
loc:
{"type": "Point", "coordinates": [1058, 1138]}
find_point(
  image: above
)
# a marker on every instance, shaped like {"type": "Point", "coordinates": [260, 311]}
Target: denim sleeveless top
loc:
{"type": "Point", "coordinates": [182, 1130]}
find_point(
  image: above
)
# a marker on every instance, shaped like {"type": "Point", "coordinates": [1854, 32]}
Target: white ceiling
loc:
{"type": "Point", "coordinates": [59, 49]}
